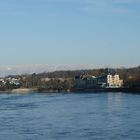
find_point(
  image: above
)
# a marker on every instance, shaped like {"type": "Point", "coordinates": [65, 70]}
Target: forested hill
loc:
{"type": "Point", "coordinates": [125, 73]}
{"type": "Point", "coordinates": [130, 76]}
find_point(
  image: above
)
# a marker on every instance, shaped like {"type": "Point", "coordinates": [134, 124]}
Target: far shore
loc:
{"type": "Point", "coordinates": [43, 90]}
{"type": "Point", "coordinates": [32, 90]}
{"type": "Point", "coordinates": [20, 90]}
{"type": "Point", "coordinates": [24, 90]}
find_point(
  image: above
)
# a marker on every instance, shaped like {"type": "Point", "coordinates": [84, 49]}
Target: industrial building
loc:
{"type": "Point", "coordinates": [105, 80]}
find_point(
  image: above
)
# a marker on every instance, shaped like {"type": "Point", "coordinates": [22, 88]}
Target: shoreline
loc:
{"type": "Point", "coordinates": [125, 90]}
{"type": "Point", "coordinates": [24, 90]}
{"type": "Point", "coordinates": [20, 90]}
{"type": "Point", "coordinates": [38, 90]}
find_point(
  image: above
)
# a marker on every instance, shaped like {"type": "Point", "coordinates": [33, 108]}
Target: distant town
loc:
{"type": "Point", "coordinates": [95, 80]}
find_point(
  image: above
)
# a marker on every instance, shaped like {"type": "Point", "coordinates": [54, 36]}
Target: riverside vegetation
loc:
{"type": "Point", "coordinates": [64, 80]}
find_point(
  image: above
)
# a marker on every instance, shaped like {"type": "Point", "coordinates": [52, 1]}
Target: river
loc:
{"type": "Point", "coordinates": [100, 116]}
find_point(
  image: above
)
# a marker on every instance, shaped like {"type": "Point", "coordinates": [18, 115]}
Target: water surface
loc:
{"type": "Point", "coordinates": [102, 116]}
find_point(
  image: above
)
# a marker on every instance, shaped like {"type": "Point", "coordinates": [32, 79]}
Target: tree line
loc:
{"type": "Point", "coordinates": [64, 80]}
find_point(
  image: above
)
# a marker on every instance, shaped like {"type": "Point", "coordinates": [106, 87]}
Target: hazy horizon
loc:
{"type": "Point", "coordinates": [40, 68]}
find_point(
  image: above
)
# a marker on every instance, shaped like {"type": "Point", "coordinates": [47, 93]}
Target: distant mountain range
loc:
{"type": "Point", "coordinates": [39, 68]}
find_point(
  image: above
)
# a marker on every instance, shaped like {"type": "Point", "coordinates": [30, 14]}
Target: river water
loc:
{"type": "Point", "coordinates": [102, 116]}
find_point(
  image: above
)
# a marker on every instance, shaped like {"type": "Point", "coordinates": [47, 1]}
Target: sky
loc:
{"type": "Point", "coordinates": [99, 32]}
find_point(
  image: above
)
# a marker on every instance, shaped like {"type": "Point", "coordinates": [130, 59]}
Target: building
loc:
{"type": "Point", "coordinates": [105, 80]}
{"type": "Point", "coordinates": [114, 81]}
{"type": "Point", "coordinates": [12, 81]}
{"type": "Point", "coordinates": [85, 81]}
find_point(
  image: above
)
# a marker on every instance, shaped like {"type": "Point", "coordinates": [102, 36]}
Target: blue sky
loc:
{"type": "Point", "coordinates": [100, 32]}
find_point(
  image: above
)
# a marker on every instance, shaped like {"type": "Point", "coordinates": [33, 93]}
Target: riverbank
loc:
{"type": "Point", "coordinates": [24, 90]}
{"type": "Point", "coordinates": [33, 90]}
{"type": "Point", "coordinates": [126, 90]}
{"type": "Point", "coordinates": [20, 90]}
{"type": "Point", "coordinates": [43, 90]}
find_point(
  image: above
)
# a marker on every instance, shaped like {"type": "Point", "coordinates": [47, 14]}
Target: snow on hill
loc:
{"type": "Point", "coordinates": [39, 68]}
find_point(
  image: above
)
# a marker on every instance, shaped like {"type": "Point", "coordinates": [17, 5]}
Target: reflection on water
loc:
{"type": "Point", "coordinates": [70, 116]}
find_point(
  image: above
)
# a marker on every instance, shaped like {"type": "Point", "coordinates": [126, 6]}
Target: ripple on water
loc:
{"type": "Point", "coordinates": [69, 116]}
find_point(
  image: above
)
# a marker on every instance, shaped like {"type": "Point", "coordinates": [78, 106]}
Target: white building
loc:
{"type": "Point", "coordinates": [114, 81]}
